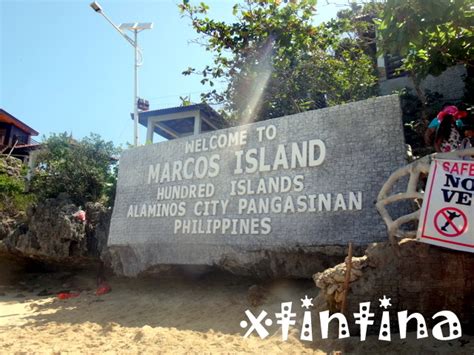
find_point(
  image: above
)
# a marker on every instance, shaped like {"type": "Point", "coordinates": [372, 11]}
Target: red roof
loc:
{"type": "Point", "coordinates": [8, 118]}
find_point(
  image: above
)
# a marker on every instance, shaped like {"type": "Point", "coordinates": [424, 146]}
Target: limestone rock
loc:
{"type": "Point", "coordinates": [10, 166]}
{"type": "Point", "coordinates": [7, 225]}
{"type": "Point", "coordinates": [417, 277]}
{"type": "Point", "coordinates": [97, 227]}
{"type": "Point", "coordinates": [51, 233]}
{"type": "Point", "coordinates": [331, 280]}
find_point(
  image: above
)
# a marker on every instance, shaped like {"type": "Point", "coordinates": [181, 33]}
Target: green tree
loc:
{"type": "Point", "coordinates": [85, 170]}
{"type": "Point", "coordinates": [360, 21]}
{"type": "Point", "coordinates": [431, 35]}
{"type": "Point", "coordinates": [13, 196]}
{"type": "Point", "coordinates": [274, 61]}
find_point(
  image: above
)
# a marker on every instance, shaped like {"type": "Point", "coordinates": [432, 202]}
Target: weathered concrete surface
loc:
{"type": "Point", "coordinates": [264, 264]}
{"type": "Point", "coordinates": [417, 277]}
{"type": "Point", "coordinates": [364, 145]}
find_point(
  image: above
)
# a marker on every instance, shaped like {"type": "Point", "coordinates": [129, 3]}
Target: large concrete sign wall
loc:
{"type": "Point", "coordinates": [291, 183]}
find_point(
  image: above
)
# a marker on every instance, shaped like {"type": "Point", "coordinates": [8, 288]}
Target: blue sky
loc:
{"type": "Point", "coordinates": [65, 69]}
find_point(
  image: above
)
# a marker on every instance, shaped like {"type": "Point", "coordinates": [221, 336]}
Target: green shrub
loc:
{"type": "Point", "coordinates": [10, 185]}
{"type": "Point", "coordinates": [83, 169]}
{"type": "Point", "coordinates": [13, 198]}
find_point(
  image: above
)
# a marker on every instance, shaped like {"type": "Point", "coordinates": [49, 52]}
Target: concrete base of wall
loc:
{"type": "Point", "coordinates": [276, 263]}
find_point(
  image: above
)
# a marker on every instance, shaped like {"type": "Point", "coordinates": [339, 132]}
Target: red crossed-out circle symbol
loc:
{"type": "Point", "coordinates": [450, 222]}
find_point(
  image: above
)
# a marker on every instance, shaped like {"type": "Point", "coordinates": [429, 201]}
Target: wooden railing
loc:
{"type": "Point", "coordinates": [34, 142]}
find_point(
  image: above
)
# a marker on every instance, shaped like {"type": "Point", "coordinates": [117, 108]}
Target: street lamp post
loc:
{"type": "Point", "coordinates": [135, 27]}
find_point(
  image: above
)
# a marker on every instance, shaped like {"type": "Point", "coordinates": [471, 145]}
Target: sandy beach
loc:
{"type": "Point", "coordinates": [197, 313]}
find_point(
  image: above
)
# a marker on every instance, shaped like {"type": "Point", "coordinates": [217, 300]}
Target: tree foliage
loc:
{"type": "Point", "coordinates": [431, 35]}
{"type": "Point", "coordinates": [274, 61]}
{"type": "Point", "coordinates": [85, 170]}
{"type": "Point", "coordinates": [13, 197]}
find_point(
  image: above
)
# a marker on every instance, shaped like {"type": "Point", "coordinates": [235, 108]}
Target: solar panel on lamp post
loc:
{"type": "Point", "coordinates": [134, 27]}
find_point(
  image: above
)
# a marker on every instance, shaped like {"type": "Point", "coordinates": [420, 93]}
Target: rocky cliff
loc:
{"type": "Point", "coordinates": [55, 231]}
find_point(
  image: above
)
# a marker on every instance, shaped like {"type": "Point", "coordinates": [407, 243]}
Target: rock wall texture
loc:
{"type": "Point", "coordinates": [417, 277]}
{"type": "Point", "coordinates": [7, 224]}
{"type": "Point", "coordinates": [10, 166]}
{"type": "Point", "coordinates": [52, 233]}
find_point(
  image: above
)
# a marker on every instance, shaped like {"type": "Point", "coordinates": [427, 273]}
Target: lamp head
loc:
{"type": "Point", "coordinates": [96, 7]}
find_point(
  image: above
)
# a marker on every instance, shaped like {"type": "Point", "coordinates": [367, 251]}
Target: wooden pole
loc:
{"type": "Point", "coordinates": [347, 279]}
{"type": "Point", "coordinates": [13, 148]}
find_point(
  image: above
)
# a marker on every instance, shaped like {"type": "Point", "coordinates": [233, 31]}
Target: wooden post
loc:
{"type": "Point", "coordinates": [13, 148]}
{"type": "Point", "coordinates": [347, 279]}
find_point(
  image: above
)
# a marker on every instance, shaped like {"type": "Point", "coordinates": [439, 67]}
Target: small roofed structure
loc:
{"type": "Point", "coordinates": [15, 136]}
{"type": "Point", "coordinates": [182, 121]}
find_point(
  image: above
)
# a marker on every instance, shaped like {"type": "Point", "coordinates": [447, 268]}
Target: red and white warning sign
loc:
{"type": "Point", "coordinates": [447, 214]}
